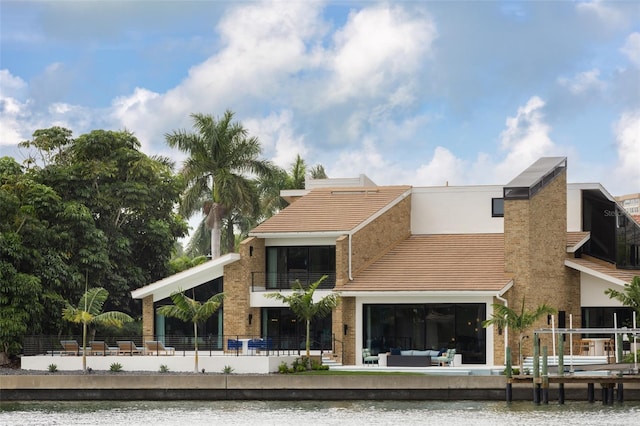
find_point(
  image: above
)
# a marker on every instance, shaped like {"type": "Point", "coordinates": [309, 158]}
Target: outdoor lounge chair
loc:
{"type": "Point", "coordinates": [156, 347]}
{"type": "Point", "coordinates": [367, 358]}
{"type": "Point", "coordinates": [69, 347]}
{"type": "Point", "coordinates": [101, 348]}
{"type": "Point", "coordinates": [128, 347]}
{"type": "Point", "coordinates": [445, 359]}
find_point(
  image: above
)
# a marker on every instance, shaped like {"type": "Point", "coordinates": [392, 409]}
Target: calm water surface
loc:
{"type": "Point", "coordinates": [307, 413]}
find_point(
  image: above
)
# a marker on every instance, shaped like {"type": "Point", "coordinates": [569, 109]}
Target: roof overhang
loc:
{"type": "Point", "coordinates": [187, 279]}
{"type": "Point", "coordinates": [594, 273]}
{"type": "Point", "coordinates": [575, 247]}
{"type": "Point", "coordinates": [386, 294]}
{"type": "Point", "coordinates": [329, 234]}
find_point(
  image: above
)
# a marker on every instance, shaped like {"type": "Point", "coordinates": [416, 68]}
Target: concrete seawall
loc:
{"type": "Point", "coordinates": [270, 387]}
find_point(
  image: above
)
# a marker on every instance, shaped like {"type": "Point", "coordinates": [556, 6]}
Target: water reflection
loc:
{"type": "Point", "coordinates": [314, 412]}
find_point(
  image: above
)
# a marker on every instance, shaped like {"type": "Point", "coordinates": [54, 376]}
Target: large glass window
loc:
{"type": "Point", "coordinates": [614, 236]}
{"type": "Point", "coordinates": [179, 334]}
{"type": "Point", "coordinates": [602, 317]}
{"type": "Point", "coordinates": [289, 333]}
{"type": "Point", "coordinates": [427, 326]}
{"type": "Point", "coordinates": [307, 264]}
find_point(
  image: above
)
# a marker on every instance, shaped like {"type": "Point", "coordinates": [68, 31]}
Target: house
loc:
{"type": "Point", "coordinates": [417, 271]}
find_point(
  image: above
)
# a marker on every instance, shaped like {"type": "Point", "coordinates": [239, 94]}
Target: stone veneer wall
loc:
{"type": "Point", "coordinates": [377, 238]}
{"type": "Point", "coordinates": [535, 249]}
{"type": "Point", "coordinates": [148, 319]}
{"type": "Point", "coordinates": [367, 245]}
{"type": "Point", "coordinates": [237, 290]}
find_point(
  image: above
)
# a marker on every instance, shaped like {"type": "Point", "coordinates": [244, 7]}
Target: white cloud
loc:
{"type": "Point", "coordinates": [13, 110]}
{"type": "Point", "coordinates": [627, 131]}
{"type": "Point", "coordinates": [583, 82]}
{"type": "Point", "coordinates": [277, 137]}
{"type": "Point", "coordinates": [443, 169]}
{"type": "Point", "coordinates": [631, 48]}
{"type": "Point", "coordinates": [378, 46]}
{"type": "Point", "coordinates": [525, 139]}
{"type": "Point", "coordinates": [603, 11]}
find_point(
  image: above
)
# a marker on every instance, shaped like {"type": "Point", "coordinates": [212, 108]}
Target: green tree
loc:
{"type": "Point", "coordinates": [302, 305]}
{"type": "Point", "coordinates": [505, 317]}
{"type": "Point", "coordinates": [189, 310]}
{"type": "Point", "coordinates": [89, 311]}
{"type": "Point", "coordinates": [117, 220]}
{"type": "Point", "coordinates": [221, 155]}
{"type": "Point", "coordinates": [629, 296]}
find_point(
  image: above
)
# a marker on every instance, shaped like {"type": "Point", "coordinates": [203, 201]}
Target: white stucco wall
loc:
{"type": "Point", "coordinates": [592, 291]}
{"type": "Point", "coordinates": [455, 210]}
{"type": "Point", "coordinates": [574, 208]}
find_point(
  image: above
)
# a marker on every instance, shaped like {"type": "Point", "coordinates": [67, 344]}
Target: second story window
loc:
{"type": "Point", "coordinates": [497, 207]}
{"type": "Point", "coordinates": [307, 264]}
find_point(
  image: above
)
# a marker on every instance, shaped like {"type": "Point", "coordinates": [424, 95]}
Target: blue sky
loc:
{"type": "Point", "coordinates": [406, 92]}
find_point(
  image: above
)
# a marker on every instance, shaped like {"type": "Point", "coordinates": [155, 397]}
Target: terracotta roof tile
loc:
{"type": "Point", "coordinates": [460, 262]}
{"type": "Point", "coordinates": [625, 275]}
{"type": "Point", "coordinates": [331, 209]}
{"type": "Point", "coordinates": [574, 239]}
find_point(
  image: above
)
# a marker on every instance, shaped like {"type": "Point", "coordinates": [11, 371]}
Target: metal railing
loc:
{"type": "Point", "coordinates": [268, 281]}
{"type": "Point", "coordinates": [178, 345]}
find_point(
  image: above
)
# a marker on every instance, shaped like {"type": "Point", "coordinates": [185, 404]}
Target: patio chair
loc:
{"type": "Point", "coordinates": [446, 359]}
{"type": "Point", "coordinates": [101, 348]}
{"type": "Point", "coordinates": [367, 358]}
{"type": "Point", "coordinates": [128, 347]}
{"type": "Point", "coordinates": [69, 347]}
{"type": "Point", "coordinates": [156, 347]}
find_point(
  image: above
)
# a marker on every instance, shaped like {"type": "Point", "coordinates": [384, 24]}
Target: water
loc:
{"type": "Point", "coordinates": [366, 413]}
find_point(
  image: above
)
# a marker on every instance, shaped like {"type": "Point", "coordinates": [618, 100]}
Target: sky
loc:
{"type": "Point", "coordinates": [423, 93]}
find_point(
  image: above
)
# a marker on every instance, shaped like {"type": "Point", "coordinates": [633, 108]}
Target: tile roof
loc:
{"type": "Point", "coordinates": [331, 209]}
{"type": "Point", "coordinates": [574, 240]}
{"type": "Point", "coordinates": [604, 268]}
{"type": "Point", "coordinates": [460, 262]}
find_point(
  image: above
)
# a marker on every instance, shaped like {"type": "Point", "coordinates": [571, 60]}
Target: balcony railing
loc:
{"type": "Point", "coordinates": [178, 345]}
{"type": "Point", "coordinates": [268, 281]}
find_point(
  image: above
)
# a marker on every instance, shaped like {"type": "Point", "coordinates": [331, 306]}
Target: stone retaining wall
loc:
{"type": "Point", "coordinates": [124, 386]}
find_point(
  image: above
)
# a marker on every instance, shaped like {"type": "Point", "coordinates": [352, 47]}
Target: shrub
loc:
{"type": "Point", "coordinates": [116, 367]}
{"type": "Point", "coordinates": [164, 368]}
{"type": "Point", "coordinates": [227, 369]}
{"type": "Point", "coordinates": [53, 368]}
{"type": "Point", "coordinates": [283, 368]}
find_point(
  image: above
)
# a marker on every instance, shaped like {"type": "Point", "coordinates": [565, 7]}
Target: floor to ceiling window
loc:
{"type": "Point", "coordinates": [427, 326]}
{"type": "Point", "coordinates": [179, 334]}
{"type": "Point", "coordinates": [289, 333]}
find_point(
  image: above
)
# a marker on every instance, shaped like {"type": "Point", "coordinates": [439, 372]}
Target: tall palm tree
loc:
{"type": "Point", "coordinates": [221, 155]}
{"type": "Point", "coordinates": [89, 311]}
{"type": "Point", "coordinates": [189, 310]}
{"type": "Point", "coordinates": [505, 317]}
{"type": "Point", "coordinates": [302, 305]}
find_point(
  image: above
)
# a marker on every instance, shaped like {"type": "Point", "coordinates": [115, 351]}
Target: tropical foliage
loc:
{"type": "Point", "coordinates": [189, 310]}
{"type": "Point", "coordinates": [93, 205]}
{"type": "Point", "coordinates": [89, 312]}
{"type": "Point", "coordinates": [518, 321]}
{"type": "Point", "coordinates": [629, 296]}
{"type": "Point", "coordinates": [221, 157]}
{"type": "Point", "coordinates": [303, 306]}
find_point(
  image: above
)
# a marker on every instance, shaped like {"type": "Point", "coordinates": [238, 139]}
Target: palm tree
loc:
{"type": "Point", "coordinates": [89, 311]}
{"type": "Point", "coordinates": [630, 296]}
{"type": "Point", "coordinates": [505, 317]}
{"type": "Point", "coordinates": [189, 310]}
{"type": "Point", "coordinates": [220, 154]}
{"type": "Point", "coordinates": [302, 305]}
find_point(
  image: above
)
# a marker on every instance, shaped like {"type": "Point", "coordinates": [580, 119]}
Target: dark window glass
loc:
{"type": "Point", "coordinates": [427, 326]}
{"type": "Point", "coordinates": [289, 333]}
{"type": "Point", "coordinates": [497, 207]}
{"type": "Point", "coordinates": [602, 317]}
